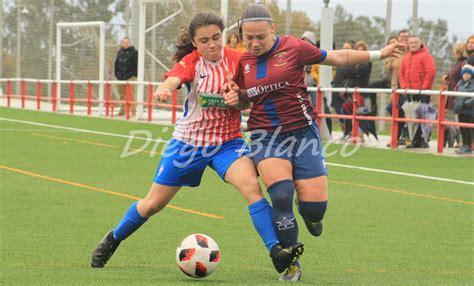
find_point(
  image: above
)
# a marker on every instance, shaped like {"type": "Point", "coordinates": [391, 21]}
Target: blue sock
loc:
{"type": "Point", "coordinates": [261, 214]}
{"type": "Point", "coordinates": [130, 222]}
{"type": "Point", "coordinates": [312, 211]}
{"type": "Point", "coordinates": [284, 220]}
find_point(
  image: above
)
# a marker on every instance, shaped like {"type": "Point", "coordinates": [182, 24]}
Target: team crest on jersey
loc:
{"type": "Point", "coordinates": [280, 59]}
{"type": "Point", "coordinates": [161, 169]}
{"type": "Point", "coordinates": [247, 68]}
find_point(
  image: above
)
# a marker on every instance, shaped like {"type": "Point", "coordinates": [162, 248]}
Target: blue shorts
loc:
{"type": "Point", "coordinates": [302, 147]}
{"type": "Point", "coordinates": [183, 164]}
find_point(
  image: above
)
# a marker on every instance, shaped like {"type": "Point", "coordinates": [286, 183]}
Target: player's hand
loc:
{"type": "Point", "coordinates": [162, 94]}
{"type": "Point", "coordinates": [393, 50]}
{"type": "Point", "coordinates": [231, 98]}
{"type": "Point", "coordinates": [228, 86]}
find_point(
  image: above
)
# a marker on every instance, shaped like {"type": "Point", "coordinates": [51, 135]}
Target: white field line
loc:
{"type": "Point", "coordinates": [160, 140]}
{"type": "Point", "coordinates": [81, 130]}
{"type": "Point", "coordinates": [402, 174]}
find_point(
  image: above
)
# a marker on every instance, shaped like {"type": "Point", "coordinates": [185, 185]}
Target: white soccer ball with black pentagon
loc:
{"type": "Point", "coordinates": [198, 255]}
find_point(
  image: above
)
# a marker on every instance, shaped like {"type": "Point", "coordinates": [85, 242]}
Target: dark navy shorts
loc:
{"type": "Point", "coordinates": [183, 164]}
{"type": "Point", "coordinates": [302, 147]}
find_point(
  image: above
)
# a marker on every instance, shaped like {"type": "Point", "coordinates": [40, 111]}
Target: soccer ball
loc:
{"type": "Point", "coordinates": [198, 255]}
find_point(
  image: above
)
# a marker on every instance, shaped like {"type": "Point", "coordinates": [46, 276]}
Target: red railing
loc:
{"type": "Point", "coordinates": [440, 122]}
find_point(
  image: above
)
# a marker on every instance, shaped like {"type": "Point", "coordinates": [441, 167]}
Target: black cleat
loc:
{"type": "Point", "coordinates": [283, 258]}
{"type": "Point", "coordinates": [315, 228]}
{"type": "Point", "coordinates": [104, 250]}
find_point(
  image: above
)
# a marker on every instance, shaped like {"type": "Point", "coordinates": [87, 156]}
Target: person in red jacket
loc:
{"type": "Point", "coordinates": [418, 69]}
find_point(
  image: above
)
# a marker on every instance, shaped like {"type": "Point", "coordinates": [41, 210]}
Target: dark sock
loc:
{"type": "Point", "coordinates": [281, 194]}
{"type": "Point", "coordinates": [312, 211]}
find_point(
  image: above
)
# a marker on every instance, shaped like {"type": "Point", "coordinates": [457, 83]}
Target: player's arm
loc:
{"type": "Point", "coordinates": [166, 89]}
{"type": "Point", "coordinates": [353, 57]}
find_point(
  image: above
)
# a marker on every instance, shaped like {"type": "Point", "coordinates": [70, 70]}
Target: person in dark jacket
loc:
{"type": "Point", "coordinates": [340, 80]}
{"type": "Point", "coordinates": [454, 75]}
{"type": "Point", "coordinates": [126, 69]}
{"type": "Point", "coordinates": [464, 107]}
{"type": "Point", "coordinates": [356, 76]}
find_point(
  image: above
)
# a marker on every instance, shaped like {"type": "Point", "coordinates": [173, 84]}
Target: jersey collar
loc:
{"type": "Point", "coordinates": [277, 41]}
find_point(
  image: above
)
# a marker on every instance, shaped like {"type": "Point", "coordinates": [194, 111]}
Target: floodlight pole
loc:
{"type": "Point", "coordinates": [224, 12]}
{"type": "Point", "coordinates": [142, 31]}
{"type": "Point", "coordinates": [327, 34]}
{"type": "Point", "coordinates": [141, 56]}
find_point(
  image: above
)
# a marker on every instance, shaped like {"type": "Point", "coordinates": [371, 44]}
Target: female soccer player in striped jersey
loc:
{"type": "Point", "coordinates": [286, 147]}
{"type": "Point", "coordinates": [208, 134]}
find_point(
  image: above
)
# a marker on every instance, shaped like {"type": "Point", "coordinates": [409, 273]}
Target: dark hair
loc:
{"type": "Point", "coordinates": [350, 42]}
{"type": "Point", "coordinates": [318, 44]}
{"type": "Point", "coordinates": [391, 38]}
{"type": "Point", "coordinates": [403, 31]}
{"type": "Point", "coordinates": [185, 40]}
{"type": "Point", "coordinates": [254, 11]}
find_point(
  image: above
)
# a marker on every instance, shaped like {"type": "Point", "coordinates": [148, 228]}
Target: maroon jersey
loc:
{"type": "Point", "coordinates": [275, 84]}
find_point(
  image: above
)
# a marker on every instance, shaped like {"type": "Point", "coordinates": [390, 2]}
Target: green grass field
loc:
{"type": "Point", "coordinates": [61, 191]}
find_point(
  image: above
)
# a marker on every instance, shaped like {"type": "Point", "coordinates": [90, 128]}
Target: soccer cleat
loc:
{"type": "Point", "coordinates": [315, 228]}
{"type": "Point", "coordinates": [104, 250]}
{"type": "Point", "coordinates": [282, 258]}
{"type": "Point", "coordinates": [292, 274]}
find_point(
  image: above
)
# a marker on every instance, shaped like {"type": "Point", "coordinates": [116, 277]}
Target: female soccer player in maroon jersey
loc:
{"type": "Point", "coordinates": [208, 134]}
{"type": "Point", "coordinates": [286, 147]}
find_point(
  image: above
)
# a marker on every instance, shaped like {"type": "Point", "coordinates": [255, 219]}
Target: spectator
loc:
{"type": "Point", "coordinates": [470, 45]}
{"type": "Point", "coordinates": [417, 71]}
{"type": "Point", "coordinates": [391, 69]}
{"type": "Point", "coordinates": [357, 76]}
{"type": "Point", "coordinates": [234, 42]}
{"type": "Point", "coordinates": [126, 69]}
{"type": "Point", "coordinates": [312, 78]}
{"type": "Point", "coordinates": [464, 107]}
{"type": "Point", "coordinates": [404, 36]}
{"type": "Point", "coordinates": [403, 139]}
{"type": "Point", "coordinates": [454, 75]}
{"type": "Point", "coordinates": [340, 80]}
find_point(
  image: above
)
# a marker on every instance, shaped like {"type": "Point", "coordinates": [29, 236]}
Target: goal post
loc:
{"type": "Point", "coordinates": [63, 25]}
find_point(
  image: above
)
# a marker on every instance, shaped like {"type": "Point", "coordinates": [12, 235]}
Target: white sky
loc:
{"type": "Point", "coordinates": [458, 13]}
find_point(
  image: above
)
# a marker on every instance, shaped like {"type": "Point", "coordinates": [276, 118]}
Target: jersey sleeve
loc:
{"type": "Point", "coordinates": [184, 69]}
{"type": "Point", "coordinates": [310, 54]}
{"type": "Point", "coordinates": [239, 77]}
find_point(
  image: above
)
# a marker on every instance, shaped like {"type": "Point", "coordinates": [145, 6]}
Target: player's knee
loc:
{"type": "Point", "coordinates": [250, 189]}
{"type": "Point", "coordinates": [150, 208]}
{"type": "Point", "coordinates": [312, 211]}
{"type": "Point", "coordinates": [281, 194]}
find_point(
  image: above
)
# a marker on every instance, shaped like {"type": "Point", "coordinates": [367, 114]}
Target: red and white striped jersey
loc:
{"type": "Point", "coordinates": [206, 120]}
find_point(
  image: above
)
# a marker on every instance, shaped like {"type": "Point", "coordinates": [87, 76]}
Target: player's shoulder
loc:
{"type": "Point", "coordinates": [190, 59]}
{"type": "Point", "coordinates": [289, 40]}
